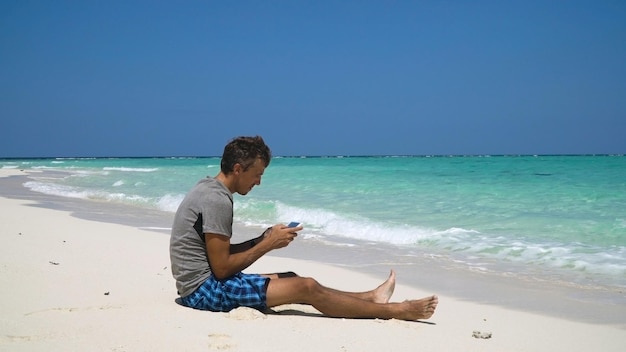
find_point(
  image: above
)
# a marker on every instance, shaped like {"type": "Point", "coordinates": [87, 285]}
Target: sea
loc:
{"type": "Point", "coordinates": [552, 218]}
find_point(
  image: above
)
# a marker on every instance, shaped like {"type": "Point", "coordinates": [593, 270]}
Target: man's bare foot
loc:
{"type": "Point", "coordinates": [420, 308]}
{"type": "Point", "coordinates": [383, 293]}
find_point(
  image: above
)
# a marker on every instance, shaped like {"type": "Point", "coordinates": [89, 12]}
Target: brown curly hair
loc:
{"type": "Point", "coordinates": [244, 151]}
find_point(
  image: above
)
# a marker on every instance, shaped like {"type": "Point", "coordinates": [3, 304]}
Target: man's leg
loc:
{"type": "Point", "coordinates": [341, 304]}
{"type": "Point", "coordinates": [381, 294]}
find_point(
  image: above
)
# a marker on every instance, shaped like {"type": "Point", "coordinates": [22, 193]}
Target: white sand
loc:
{"type": "Point", "coordinates": [68, 284]}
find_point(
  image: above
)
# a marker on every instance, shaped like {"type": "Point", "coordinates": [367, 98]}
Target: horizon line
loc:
{"type": "Point", "coordinates": [314, 156]}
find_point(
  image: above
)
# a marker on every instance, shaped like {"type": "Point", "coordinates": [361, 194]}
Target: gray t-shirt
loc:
{"type": "Point", "coordinates": [207, 208]}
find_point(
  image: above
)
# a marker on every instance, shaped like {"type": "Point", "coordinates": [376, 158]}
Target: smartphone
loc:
{"type": "Point", "coordinates": [293, 224]}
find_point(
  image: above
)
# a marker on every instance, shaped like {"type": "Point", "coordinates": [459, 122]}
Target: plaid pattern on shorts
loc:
{"type": "Point", "coordinates": [247, 290]}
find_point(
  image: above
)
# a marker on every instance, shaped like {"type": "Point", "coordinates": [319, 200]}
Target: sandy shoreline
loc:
{"type": "Point", "coordinates": [74, 284]}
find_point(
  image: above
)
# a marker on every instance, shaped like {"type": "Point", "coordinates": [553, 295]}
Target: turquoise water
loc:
{"type": "Point", "coordinates": [565, 215]}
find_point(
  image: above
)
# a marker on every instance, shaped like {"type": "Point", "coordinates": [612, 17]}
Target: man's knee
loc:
{"type": "Point", "coordinates": [310, 285]}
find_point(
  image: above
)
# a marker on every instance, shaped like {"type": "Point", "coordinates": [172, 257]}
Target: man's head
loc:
{"type": "Point", "coordinates": [244, 151]}
{"type": "Point", "coordinates": [243, 163]}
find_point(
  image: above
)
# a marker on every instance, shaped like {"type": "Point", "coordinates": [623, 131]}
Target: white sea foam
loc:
{"type": "Point", "coordinates": [170, 202]}
{"type": "Point", "coordinates": [57, 190]}
{"type": "Point", "coordinates": [130, 169]}
{"type": "Point", "coordinates": [319, 224]}
{"type": "Point", "coordinates": [326, 222]}
{"type": "Point", "coordinates": [76, 192]}
{"type": "Point", "coordinates": [88, 173]}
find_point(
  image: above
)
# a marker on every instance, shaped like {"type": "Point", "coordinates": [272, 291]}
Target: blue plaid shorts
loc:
{"type": "Point", "coordinates": [248, 290]}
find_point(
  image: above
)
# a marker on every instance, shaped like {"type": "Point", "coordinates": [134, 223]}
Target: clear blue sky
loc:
{"type": "Point", "coordinates": [161, 78]}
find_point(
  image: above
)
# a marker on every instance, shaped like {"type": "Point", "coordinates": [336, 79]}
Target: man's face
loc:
{"type": "Point", "coordinates": [251, 177]}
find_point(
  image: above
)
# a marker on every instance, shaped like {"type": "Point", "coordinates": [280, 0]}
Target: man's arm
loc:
{"type": "Point", "coordinates": [224, 263]}
{"type": "Point", "coordinates": [243, 246]}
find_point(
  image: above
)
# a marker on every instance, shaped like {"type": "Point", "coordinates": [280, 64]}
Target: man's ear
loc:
{"type": "Point", "coordinates": [237, 169]}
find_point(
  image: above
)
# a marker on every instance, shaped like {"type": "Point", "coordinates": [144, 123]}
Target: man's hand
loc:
{"type": "Point", "coordinates": [281, 236]}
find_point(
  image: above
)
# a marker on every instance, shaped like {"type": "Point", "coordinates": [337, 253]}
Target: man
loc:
{"type": "Point", "coordinates": [208, 268]}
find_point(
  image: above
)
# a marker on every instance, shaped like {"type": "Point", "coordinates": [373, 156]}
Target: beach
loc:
{"type": "Point", "coordinates": [76, 284]}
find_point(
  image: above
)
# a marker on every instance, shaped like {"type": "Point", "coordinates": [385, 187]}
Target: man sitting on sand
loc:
{"type": "Point", "coordinates": [208, 268]}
